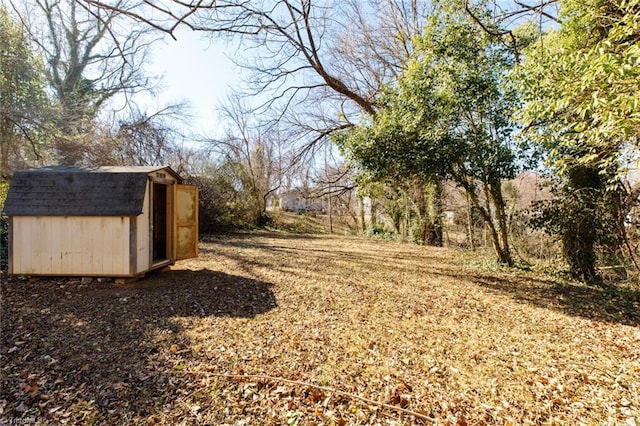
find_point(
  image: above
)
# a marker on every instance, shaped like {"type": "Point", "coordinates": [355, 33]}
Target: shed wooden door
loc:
{"type": "Point", "coordinates": [186, 221]}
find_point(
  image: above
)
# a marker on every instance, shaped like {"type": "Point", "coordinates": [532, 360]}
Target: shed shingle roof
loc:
{"type": "Point", "coordinates": [74, 191]}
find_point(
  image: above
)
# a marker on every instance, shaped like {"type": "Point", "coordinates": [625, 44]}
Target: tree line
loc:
{"type": "Point", "coordinates": [417, 96]}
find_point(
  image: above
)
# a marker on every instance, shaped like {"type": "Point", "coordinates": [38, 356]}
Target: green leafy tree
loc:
{"type": "Point", "coordinates": [22, 98]}
{"type": "Point", "coordinates": [580, 84]}
{"type": "Point", "coordinates": [447, 117]}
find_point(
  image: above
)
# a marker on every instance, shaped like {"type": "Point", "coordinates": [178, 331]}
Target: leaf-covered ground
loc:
{"type": "Point", "coordinates": [275, 328]}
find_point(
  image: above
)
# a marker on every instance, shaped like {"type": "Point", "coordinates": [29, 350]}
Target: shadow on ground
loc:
{"type": "Point", "coordinates": [85, 353]}
{"type": "Point", "coordinates": [606, 304]}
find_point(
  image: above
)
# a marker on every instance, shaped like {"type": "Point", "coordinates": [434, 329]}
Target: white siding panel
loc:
{"type": "Point", "coordinates": [107, 251]}
{"type": "Point", "coordinates": [58, 242]}
{"type": "Point", "coordinates": [120, 236]}
{"type": "Point", "coordinates": [71, 245]}
{"type": "Point", "coordinates": [42, 255]}
{"type": "Point", "coordinates": [87, 247]}
{"type": "Point", "coordinates": [97, 247]}
{"type": "Point", "coordinates": [75, 250]}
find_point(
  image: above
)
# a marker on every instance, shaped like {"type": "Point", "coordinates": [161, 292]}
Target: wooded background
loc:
{"type": "Point", "coordinates": [397, 118]}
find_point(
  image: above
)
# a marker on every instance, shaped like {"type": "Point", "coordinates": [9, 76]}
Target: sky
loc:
{"type": "Point", "coordinates": [197, 71]}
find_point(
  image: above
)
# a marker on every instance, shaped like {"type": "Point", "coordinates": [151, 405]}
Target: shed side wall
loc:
{"type": "Point", "coordinates": [71, 245]}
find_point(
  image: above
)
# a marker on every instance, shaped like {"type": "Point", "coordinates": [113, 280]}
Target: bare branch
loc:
{"type": "Point", "coordinates": [494, 32]}
{"type": "Point", "coordinates": [502, 22]}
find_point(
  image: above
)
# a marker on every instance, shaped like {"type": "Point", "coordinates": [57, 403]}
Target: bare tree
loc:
{"type": "Point", "coordinates": [337, 52]}
{"type": "Point", "coordinates": [304, 50]}
{"type": "Point", "coordinates": [317, 67]}
{"type": "Point", "coordinates": [378, 40]}
{"type": "Point", "coordinates": [499, 18]}
{"type": "Point", "coordinates": [144, 139]}
{"type": "Point", "coordinates": [256, 154]}
{"type": "Point", "coordinates": [90, 56]}
{"type": "Point", "coordinates": [150, 139]}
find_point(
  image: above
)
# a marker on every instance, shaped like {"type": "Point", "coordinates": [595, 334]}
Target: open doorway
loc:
{"type": "Point", "coordinates": [160, 233]}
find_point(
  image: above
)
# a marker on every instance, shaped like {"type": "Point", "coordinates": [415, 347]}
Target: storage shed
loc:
{"type": "Point", "coordinates": [104, 222]}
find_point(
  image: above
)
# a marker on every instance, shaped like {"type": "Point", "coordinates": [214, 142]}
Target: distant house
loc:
{"type": "Point", "coordinates": [108, 221]}
{"type": "Point", "coordinates": [293, 201]}
{"type": "Point", "coordinates": [448, 217]}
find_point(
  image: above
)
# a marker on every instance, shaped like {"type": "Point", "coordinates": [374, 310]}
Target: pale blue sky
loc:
{"type": "Point", "coordinates": [198, 71]}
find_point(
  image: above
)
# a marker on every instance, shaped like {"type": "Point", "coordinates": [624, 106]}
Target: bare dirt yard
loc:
{"type": "Point", "coordinates": [274, 328]}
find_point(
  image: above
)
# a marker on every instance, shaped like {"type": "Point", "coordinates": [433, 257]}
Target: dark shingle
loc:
{"type": "Point", "coordinates": [72, 191]}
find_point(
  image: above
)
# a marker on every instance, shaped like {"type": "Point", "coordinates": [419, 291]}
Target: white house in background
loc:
{"type": "Point", "coordinates": [293, 201]}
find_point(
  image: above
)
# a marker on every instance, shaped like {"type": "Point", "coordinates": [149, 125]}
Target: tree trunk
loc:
{"type": "Point", "coordinates": [363, 225]}
{"type": "Point", "coordinates": [498, 238]}
{"type": "Point", "coordinates": [330, 213]}
{"type": "Point", "coordinates": [501, 217]}
{"type": "Point", "coordinates": [435, 236]}
{"type": "Point", "coordinates": [580, 234]}
{"type": "Point", "coordinates": [470, 223]}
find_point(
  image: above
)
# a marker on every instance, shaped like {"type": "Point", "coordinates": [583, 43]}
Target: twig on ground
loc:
{"type": "Point", "coordinates": [199, 306]}
{"type": "Point", "coordinates": [311, 385]}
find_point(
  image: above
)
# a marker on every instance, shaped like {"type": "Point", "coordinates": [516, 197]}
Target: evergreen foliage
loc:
{"type": "Point", "coordinates": [579, 84]}
{"type": "Point", "coordinates": [448, 117]}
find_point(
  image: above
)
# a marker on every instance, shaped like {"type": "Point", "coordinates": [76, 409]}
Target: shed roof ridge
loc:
{"type": "Point", "coordinates": [74, 191]}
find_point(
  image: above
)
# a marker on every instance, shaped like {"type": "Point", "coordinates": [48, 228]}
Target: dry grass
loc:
{"type": "Point", "coordinates": [402, 325]}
